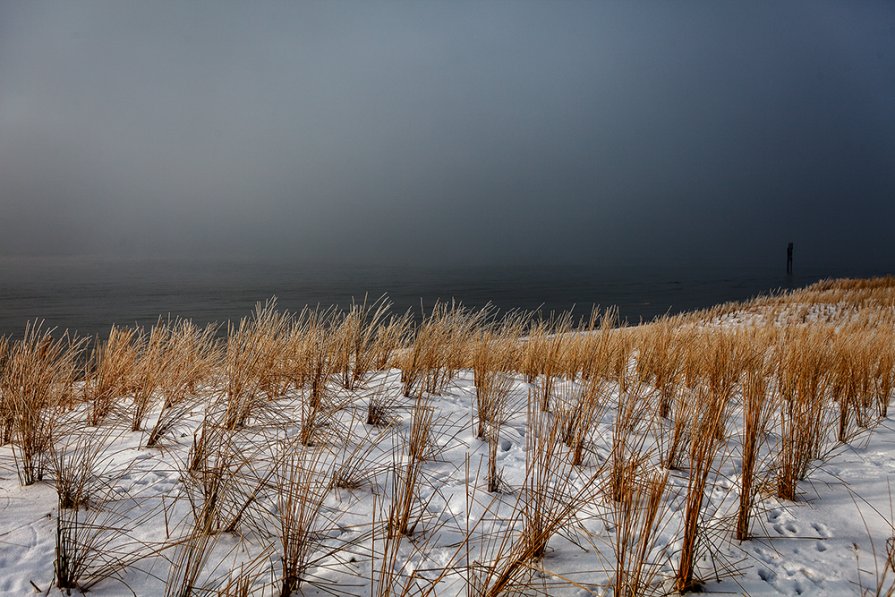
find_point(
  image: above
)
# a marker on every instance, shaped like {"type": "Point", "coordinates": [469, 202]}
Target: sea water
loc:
{"type": "Point", "coordinates": [89, 295]}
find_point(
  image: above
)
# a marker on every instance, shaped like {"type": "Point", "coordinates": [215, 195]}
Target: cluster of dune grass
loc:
{"type": "Point", "coordinates": [269, 423]}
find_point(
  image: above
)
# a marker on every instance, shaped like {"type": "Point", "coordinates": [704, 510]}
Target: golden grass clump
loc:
{"type": "Point", "coordinates": [406, 511]}
{"type": "Point", "coordinates": [629, 451]}
{"type": "Point", "coordinates": [659, 362]}
{"type": "Point", "coordinates": [704, 445]}
{"type": "Point", "coordinates": [112, 364]}
{"type": "Point", "coordinates": [303, 482]}
{"type": "Point", "coordinates": [151, 366]}
{"type": "Point", "coordinates": [36, 385]}
{"type": "Point", "coordinates": [440, 348]}
{"type": "Point", "coordinates": [637, 518]}
{"type": "Point", "coordinates": [802, 379]}
{"type": "Point", "coordinates": [356, 339]}
{"type": "Point", "coordinates": [492, 381]}
{"type": "Point", "coordinates": [251, 348]}
{"type": "Point", "coordinates": [193, 356]}
{"type": "Point", "coordinates": [551, 339]}
{"type": "Point", "coordinates": [758, 407]}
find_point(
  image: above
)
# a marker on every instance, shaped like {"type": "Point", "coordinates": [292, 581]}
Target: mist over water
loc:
{"type": "Point", "coordinates": [89, 295]}
{"type": "Point", "coordinates": [449, 137]}
{"type": "Point", "coordinates": [449, 132]}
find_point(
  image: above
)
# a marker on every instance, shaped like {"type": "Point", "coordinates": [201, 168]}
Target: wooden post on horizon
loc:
{"type": "Point", "coordinates": [789, 259]}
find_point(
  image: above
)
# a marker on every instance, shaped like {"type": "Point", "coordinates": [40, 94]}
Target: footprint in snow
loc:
{"type": "Point", "coordinates": [771, 558]}
{"type": "Point", "coordinates": [821, 529]}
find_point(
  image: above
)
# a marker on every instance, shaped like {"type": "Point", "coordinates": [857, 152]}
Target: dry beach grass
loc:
{"type": "Point", "coordinates": [357, 452]}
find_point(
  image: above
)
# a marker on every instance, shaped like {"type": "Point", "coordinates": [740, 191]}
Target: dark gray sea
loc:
{"type": "Point", "coordinates": [89, 295]}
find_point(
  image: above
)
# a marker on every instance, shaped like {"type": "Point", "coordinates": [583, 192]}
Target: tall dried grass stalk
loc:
{"type": "Point", "coordinates": [704, 444]}
{"type": "Point", "coordinates": [757, 410]}
{"type": "Point", "coordinates": [404, 511]}
{"type": "Point", "coordinates": [637, 518]}
{"type": "Point", "coordinates": [303, 484]}
{"type": "Point", "coordinates": [151, 366]}
{"type": "Point", "coordinates": [113, 363]}
{"type": "Point", "coordinates": [356, 336]}
{"type": "Point", "coordinates": [802, 380]}
{"type": "Point", "coordinates": [36, 385]}
{"type": "Point", "coordinates": [193, 355]}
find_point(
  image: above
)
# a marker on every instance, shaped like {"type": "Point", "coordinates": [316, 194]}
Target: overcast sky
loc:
{"type": "Point", "coordinates": [416, 132]}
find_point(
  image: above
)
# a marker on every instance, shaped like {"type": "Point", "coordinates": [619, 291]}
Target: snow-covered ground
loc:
{"type": "Point", "coordinates": [833, 540]}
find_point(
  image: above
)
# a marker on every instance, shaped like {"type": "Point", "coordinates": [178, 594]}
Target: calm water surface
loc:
{"type": "Point", "coordinates": [89, 295]}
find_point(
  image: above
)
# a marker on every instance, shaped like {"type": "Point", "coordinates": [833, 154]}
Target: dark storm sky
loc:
{"type": "Point", "coordinates": [616, 132]}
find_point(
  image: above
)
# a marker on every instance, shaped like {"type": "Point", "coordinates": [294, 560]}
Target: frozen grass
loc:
{"type": "Point", "coordinates": [330, 452]}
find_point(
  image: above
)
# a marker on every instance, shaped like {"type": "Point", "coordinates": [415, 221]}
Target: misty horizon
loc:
{"type": "Point", "coordinates": [450, 133]}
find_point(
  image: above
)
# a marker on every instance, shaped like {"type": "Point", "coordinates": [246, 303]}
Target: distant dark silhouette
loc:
{"type": "Point", "coordinates": [789, 259]}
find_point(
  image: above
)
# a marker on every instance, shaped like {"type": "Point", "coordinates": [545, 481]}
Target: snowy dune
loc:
{"type": "Point", "coordinates": [267, 475]}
